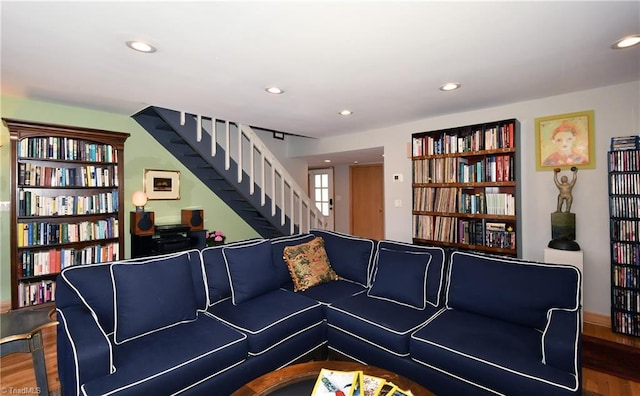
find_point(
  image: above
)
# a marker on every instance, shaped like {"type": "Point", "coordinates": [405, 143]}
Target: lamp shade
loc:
{"type": "Point", "coordinates": [139, 198]}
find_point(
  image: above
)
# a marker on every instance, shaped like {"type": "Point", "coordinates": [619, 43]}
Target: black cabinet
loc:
{"type": "Point", "coordinates": [167, 239]}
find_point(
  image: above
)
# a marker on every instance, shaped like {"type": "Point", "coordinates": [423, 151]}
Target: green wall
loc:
{"type": "Point", "coordinates": [141, 152]}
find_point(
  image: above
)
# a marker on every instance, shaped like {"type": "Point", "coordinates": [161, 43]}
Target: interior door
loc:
{"type": "Point", "coordinates": [367, 200]}
{"type": "Point", "coordinates": [321, 192]}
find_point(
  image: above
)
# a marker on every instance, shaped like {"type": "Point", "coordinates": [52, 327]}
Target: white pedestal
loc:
{"type": "Point", "coordinates": [570, 257]}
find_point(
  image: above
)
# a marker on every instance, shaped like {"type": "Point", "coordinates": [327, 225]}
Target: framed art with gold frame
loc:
{"type": "Point", "coordinates": [565, 140]}
{"type": "Point", "coordinates": [161, 184]}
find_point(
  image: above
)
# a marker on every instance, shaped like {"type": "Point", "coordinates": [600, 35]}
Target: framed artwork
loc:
{"type": "Point", "coordinates": [161, 184]}
{"type": "Point", "coordinates": [565, 140]}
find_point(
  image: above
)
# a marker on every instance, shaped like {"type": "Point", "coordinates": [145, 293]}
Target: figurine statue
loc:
{"type": "Point", "coordinates": [563, 224]}
{"type": "Point", "coordinates": [565, 186]}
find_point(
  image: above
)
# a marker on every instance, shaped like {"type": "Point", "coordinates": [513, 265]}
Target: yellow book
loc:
{"type": "Point", "coordinates": [338, 383]}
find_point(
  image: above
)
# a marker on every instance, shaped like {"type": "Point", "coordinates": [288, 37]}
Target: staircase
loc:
{"type": "Point", "coordinates": [231, 160]}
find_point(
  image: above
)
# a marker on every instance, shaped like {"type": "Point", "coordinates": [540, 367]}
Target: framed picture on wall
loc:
{"type": "Point", "coordinates": [565, 140]}
{"type": "Point", "coordinates": [161, 184]}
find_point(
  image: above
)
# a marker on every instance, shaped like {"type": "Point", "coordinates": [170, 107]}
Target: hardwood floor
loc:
{"type": "Point", "coordinates": [16, 371]}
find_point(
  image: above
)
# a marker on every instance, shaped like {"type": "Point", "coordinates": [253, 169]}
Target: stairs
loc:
{"type": "Point", "coordinates": [223, 156]}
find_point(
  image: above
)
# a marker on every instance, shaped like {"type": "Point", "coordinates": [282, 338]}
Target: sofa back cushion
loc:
{"type": "Point", "coordinates": [277, 246]}
{"type": "Point", "coordinates": [513, 290]}
{"type": "Point", "coordinates": [89, 285]}
{"type": "Point", "coordinates": [250, 270]}
{"type": "Point", "coordinates": [215, 271]}
{"type": "Point", "coordinates": [435, 273]}
{"type": "Point", "coordinates": [401, 276]}
{"type": "Point", "coordinates": [351, 257]}
{"type": "Point", "coordinates": [152, 295]}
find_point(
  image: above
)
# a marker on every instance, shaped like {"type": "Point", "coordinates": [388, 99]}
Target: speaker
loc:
{"type": "Point", "coordinates": [142, 223]}
{"type": "Point", "coordinates": [194, 218]}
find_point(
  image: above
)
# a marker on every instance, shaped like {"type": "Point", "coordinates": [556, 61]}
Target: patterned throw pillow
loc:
{"type": "Point", "coordinates": [308, 264]}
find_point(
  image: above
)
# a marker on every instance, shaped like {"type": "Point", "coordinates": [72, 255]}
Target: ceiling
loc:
{"type": "Point", "coordinates": [382, 60]}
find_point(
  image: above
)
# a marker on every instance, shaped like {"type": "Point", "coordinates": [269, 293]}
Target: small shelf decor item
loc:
{"type": "Point", "coordinates": [215, 238]}
{"type": "Point", "coordinates": [161, 184]}
{"type": "Point", "coordinates": [565, 141]}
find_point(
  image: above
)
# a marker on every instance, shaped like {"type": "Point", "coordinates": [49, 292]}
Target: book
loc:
{"type": "Point", "coordinates": [338, 383]}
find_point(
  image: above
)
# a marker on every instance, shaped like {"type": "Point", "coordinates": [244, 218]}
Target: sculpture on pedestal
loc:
{"type": "Point", "coordinates": [563, 223]}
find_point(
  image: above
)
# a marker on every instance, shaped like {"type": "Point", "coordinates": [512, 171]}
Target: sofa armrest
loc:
{"type": "Point", "coordinates": [561, 340]}
{"type": "Point", "coordinates": [84, 351]}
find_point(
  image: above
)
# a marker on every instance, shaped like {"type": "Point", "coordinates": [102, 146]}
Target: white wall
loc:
{"type": "Point", "coordinates": [617, 113]}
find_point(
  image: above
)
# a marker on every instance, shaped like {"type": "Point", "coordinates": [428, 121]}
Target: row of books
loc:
{"type": "Point", "coordinates": [625, 253]}
{"type": "Point", "coordinates": [625, 143]}
{"type": "Point", "coordinates": [32, 204]}
{"type": "Point", "coordinates": [68, 149]}
{"type": "Point", "coordinates": [33, 175]}
{"type": "Point", "coordinates": [627, 323]}
{"type": "Point", "coordinates": [34, 293]}
{"type": "Point", "coordinates": [457, 200]}
{"type": "Point", "coordinates": [626, 299]}
{"type": "Point", "coordinates": [624, 161]}
{"type": "Point", "coordinates": [626, 277]}
{"type": "Point", "coordinates": [465, 140]}
{"type": "Point", "coordinates": [625, 230]}
{"type": "Point", "coordinates": [625, 183]}
{"type": "Point", "coordinates": [43, 233]}
{"type": "Point", "coordinates": [54, 260]}
{"type": "Point", "coordinates": [354, 383]}
{"type": "Point", "coordinates": [494, 168]}
{"type": "Point", "coordinates": [625, 206]}
{"type": "Point", "coordinates": [468, 231]}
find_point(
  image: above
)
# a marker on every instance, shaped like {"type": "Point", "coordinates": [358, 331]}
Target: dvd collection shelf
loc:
{"type": "Point", "coordinates": [624, 211]}
{"type": "Point", "coordinates": [66, 204]}
{"type": "Point", "coordinates": [465, 190]}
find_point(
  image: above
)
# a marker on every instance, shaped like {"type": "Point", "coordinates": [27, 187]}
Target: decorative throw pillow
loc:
{"type": "Point", "coordinates": [401, 277]}
{"type": "Point", "coordinates": [308, 264]}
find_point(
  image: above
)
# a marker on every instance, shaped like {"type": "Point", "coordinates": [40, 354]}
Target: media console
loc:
{"type": "Point", "coordinates": [167, 239]}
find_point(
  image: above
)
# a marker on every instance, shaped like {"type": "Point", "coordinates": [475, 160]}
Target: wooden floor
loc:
{"type": "Point", "coordinates": [16, 371]}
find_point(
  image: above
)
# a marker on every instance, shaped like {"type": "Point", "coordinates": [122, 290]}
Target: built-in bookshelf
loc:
{"type": "Point", "coordinates": [66, 204]}
{"type": "Point", "coordinates": [465, 187]}
{"type": "Point", "coordinates": [624, 211]}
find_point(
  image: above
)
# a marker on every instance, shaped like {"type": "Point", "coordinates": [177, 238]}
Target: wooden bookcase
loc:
{"type": "Point", "coordinates": [465, 187]}
{"type": "Point", "coordinates": [624, 211]}
{"type": "Point", "coordinates": [67, 186]}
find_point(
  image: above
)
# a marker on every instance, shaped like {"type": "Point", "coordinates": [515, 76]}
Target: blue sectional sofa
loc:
{"type": "Point", "coordinates": [207, 322]}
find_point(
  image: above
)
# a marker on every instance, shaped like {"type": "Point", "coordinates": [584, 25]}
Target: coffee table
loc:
{"type": "Point", "coordinates": [298, 379]}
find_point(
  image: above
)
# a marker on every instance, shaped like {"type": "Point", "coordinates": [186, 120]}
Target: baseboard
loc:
{"type": "Point", "coordinates": [597, 319]}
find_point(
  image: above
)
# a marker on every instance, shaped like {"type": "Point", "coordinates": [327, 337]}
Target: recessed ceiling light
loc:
{"type": "Point", "coordinates": [274, 90]}
{"type": "Point", "coordinates": [327, 161]}
{"type": "Point", "coordinates": [451, 86]}
{"type": "Point", "coordinates": [626, 42]}
{"type": "Point", "coordinates": [345, 112]}
{"type": "Point", "coordinates": [141, 46]}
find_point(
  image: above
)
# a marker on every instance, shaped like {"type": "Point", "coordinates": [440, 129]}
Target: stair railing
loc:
{"type": "Point", "coordinates": [272, 178]}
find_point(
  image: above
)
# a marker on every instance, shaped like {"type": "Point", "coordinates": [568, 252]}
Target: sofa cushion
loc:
{"type": "Point", "coordinates": [328, 293]}
{"type": "Point", "coordinates": [381, 323]}
{"type": "Point", "coordinates": [91, 286]}
{"type": "Point", "coordinates": [215, 270]}
{"type": "Point", "coordinates": [494, 354]}
{"type": "Point", "coordinates": [277, 246]}
{"type": "Point", "coordinates": [250, 270]}
{"type": "Point", "coordinates": [350, 256]}
{"type": "Point", "coordinates": [401, 277]}
{"type": "Point", "coordinates": [435, 273]}
{"type": "Point", "coordinates": [308, 264]}
{"type": "Point", "coordinates": [503, 288]}
{"type": "Point", "coordinates": [152, 295]}
{"type": "Point", "coordinates": [270, 319]}
{"type": "Point", "coordinates": [173, 359]}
